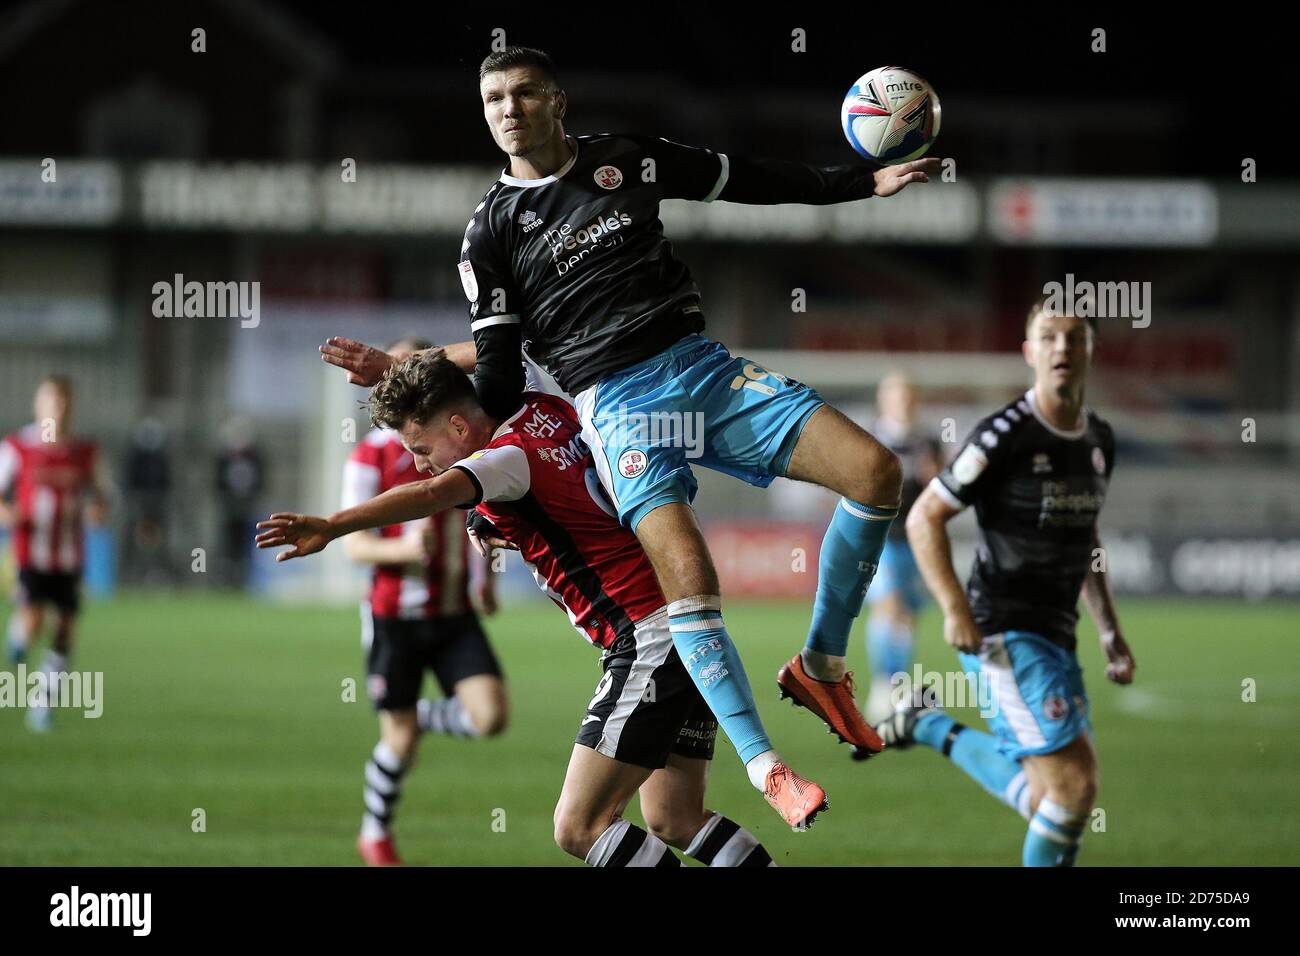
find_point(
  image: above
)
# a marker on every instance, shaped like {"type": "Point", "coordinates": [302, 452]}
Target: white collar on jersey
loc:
{"type": "Point", "coordinates": [516, 181]}
{"type": "Point", "coordinates": [508, 424]}
{"type": "Point", "coordinates": [1076, 433]}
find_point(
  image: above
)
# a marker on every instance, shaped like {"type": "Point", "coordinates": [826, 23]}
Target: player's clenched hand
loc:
{"type": "Point", "coordinates": [891, 179]}
{"type": "Point", "coordinates": [961, 632]}
{"type": "Point", "coordinates": [365, 364]}
{"type": "Point", "coordinates": [484, 535]}
{"type": "Point", "coordinates": [306, 533]}
{"type": "Point", "coordinates": [1121, 666]}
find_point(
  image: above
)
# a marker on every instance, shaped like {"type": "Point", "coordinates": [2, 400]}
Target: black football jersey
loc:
{"type": "Point", "coordinates": [580, 258]}
{"type": "Point", "coordinates": [1037, 492]}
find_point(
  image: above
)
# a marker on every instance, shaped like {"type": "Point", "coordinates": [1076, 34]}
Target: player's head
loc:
{"type": "Point", "coordinates": [522, 100]}
{"type": "Point", "coordinates": [401, 348]}
{"type": "Point", "coordinates": [1058, 346]}
{"type": "Point", "coordinates": [432, 406]}
{"type": "Point", "coordinates": [896, 398]}
{"type": "Point", "coordinates": [53, 401]}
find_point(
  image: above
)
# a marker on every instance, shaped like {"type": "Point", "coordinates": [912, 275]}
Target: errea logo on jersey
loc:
{"type": "Point", "coordinates": [529, 220]}
{"type": "Point", "coordinates": [608, 177]}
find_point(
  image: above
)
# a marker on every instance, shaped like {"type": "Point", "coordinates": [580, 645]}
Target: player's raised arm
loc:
{"type": "Point", "coordinates": [927, 533]}
{"type": "Point", "coordinates": [1100, 602]}
{"type": "Point", "coordinates": [689, 172]}
{"type": "Point", "coordinates": [308, 534]}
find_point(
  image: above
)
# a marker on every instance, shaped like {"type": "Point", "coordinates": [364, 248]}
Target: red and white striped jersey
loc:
{"type": "Point", "coordinates": [51, 481]}
{"type": "Point", "coordinates": [437, 587]}
{"type": "Point", "coordinates": [538, 486]}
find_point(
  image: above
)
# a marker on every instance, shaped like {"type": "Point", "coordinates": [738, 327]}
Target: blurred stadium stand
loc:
{"type": "Point", "coordinates": [225, 166]}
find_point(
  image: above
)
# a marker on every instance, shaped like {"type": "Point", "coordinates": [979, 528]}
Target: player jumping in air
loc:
{"type": "Point", "coordinates": [54, 476]}
{"type": "Point", "coordinates": [418, 615]}
{"type": "Point", "coordinates": [566, 257]}
{"type": "Point", "coordinates": [531, 480]}
{"type": "Point", "coordinates": [1036, 471]}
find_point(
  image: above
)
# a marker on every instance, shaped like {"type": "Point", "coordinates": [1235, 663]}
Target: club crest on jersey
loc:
{"type": "Point", "coordinates": [632, 463]}
{"type": "Point", "coordinates": [608, 177]}
{"type": "Point", "coordinates": [1055, 708]}
{"type": "Point", "coordinates": [468, 280]}
{"type": "Point", "coordinates": [1099, 461]}
{"type": "Point", "coordinates": [969, 464]}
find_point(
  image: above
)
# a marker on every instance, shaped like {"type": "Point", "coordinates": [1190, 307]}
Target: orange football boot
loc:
{"type": "Point", "coordinates": [379, 852]}
{"type": "Point", "coordinates": [832, 702]}
{"type": "Point", "coordinates": [796, 799]}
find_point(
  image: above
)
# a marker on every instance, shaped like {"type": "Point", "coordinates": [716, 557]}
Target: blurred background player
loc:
{"type": "Point", "coordinates": [418, 615]}
{"type": "Point", "coordinates": [240, 479]}
{"type": "Point", "coordinates": [1037, 472]}
{"type": "Point", "coordinates": [898, 591]}
{"type": "Point", "coordinates": [54, 477]}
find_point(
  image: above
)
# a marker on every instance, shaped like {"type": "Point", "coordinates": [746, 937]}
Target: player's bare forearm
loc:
{"type": "Point", "coordinates": [366, 548]}
{"type": "Point", "coordinates": [463, 355]}
{"type": "Point", "coordinates": [927, 533]}
{"type": "Point", "coordinates": [307, 534]}
{"type": "Point", "coordinates": [1097, 595]}
{"type": "Point", "coordinates": [418, 499]}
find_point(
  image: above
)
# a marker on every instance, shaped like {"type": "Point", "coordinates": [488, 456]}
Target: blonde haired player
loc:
{"type": "Point", "coordinates": [1037, 472]}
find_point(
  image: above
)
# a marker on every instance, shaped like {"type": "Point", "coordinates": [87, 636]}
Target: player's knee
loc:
{"type": "Point", "coordinates": [576, 834]}
{"type": "Point", "coordinates": [491, 721]}
{"type": "Point", "coordinates": [667, 825]}
{"type": "Point", "coordinates": [881, 481]}
{"type": "Point", "coordinates": [1076, 788]}
{"type": "Point", "coordinates": [489, 713]}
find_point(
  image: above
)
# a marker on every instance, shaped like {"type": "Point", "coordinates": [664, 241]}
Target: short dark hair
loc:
{"type": "Point", "coordinates": [417, 388]}
{"type": "Point", "coordinates": [513, 56]}
{"type": "Point", "coordinates": [1040, 305]}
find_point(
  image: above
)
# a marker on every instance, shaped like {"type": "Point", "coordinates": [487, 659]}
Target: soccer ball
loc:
{"type": "Point", "coordinates": [890, 115]}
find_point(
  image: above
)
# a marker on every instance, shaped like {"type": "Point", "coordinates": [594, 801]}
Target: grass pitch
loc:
{"type": "Point", "coordinates": [236, 708]}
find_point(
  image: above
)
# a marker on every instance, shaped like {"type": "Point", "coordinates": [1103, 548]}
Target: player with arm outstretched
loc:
{"type": "Point", "coordinates": [565, 256]}
{"type": "Point", "coordinates": [647, 728]}
{"type": "Point", "coordinates": [1037, 471]}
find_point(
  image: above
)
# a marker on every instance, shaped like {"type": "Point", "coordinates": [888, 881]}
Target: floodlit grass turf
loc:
{"type": "Point", "coordinates": [234, 707]}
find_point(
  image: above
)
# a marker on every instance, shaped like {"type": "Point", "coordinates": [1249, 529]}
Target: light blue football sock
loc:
{"type": "Point", "coordinates": [977, 754]}
{"type": "Point", "coordinates": [1054, 835]}
{"type": "Point", "coordinates": [849, 555]}
{"type": "Point", "coordinates": [889, 647]}
{"type": "Point", "coordinates": [714, 664]}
